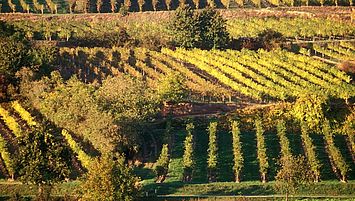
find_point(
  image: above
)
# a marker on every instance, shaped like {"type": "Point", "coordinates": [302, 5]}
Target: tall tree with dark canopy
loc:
{"type": "Point", "coordinates": [42, 159]}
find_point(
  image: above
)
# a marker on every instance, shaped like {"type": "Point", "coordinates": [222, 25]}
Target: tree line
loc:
{"type": "Point", "coordinates": [124, 6]}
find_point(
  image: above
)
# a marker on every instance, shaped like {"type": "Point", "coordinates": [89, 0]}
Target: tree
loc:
{"type": "Point", "coordinates": [294, 172]}
{"type": "Point", "coordinates": [72, 105]}
{"type": "Point", "coordinates": [213, 30]}
{"type": "Point", "coordinates": [162, 164]}
{"type": "Point", "coordinates": [168, 4]}
{"type": "Point", "coordinates": [113, 4]}
{"type": "Point", "coordinates": [212, 152]}
{"type": "Point", "coordinates": [99, 5]}
{"type": "Point", "coordinates": [110, 179]}
{"type": "Point", "coordinates": [41, 159]}
{"type": "Point", "coordinates": [206, 29]}
{"type": "Point", "coordinates": [12, 6]}
{"type": "Point", "coordinates": [188, 157]}
{"type": "Point", "coordinates": [237, 151]}
{"type": "Point", "coordinates": [72, 5]}
{"type": "Point", "coordinates": [13, 51]}
{"type": "Point", "coordinates": [184, 26]}
{"type": "Point", "coordinates": [197, 3]}
{"type": "Point", "coordinates": [141, 4]}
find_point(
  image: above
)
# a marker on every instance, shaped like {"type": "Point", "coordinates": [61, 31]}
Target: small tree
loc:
{"type": "Point", "coordinates": [113, 4]}
{"type": "Point", "coordinates": [110, 179]}
{"type": "Point", "coordinates": [184, 26]}
{"type": "Point", "coordinates": [42, 160]}
{"type": "Point", "coordinates": [294, 172]}
{"type": "Point", "coordinates": [141, 4]}
{"type": "Point", "coordinates": [72, 5]}
{"type": "Point", "coordinates": [12, 6]}
{"type": "Point", "coordinates": [188, 158]}
{"type": "Point", "coordinates": [237, 151]}
{"type": "Point", "coordinates": [206, 29]}
{"type": "Point", "coordinates": [162, 164]}
{"type": "Point", "coordinates": [212, 152]}
{"type": "Point", "coordinates": [197, 3]}
{"type": "Point", "coordinates": [25, 6]}
{"type": "Point", "coordinates": [155, 4]}
{"type": "Point", "coordinates": [99, 5]}
{"type": "Point", "coordinates": [169, 2]}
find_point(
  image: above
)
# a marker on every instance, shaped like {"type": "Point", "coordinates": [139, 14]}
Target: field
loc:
{"type": "Point", "coordinates": [107, 83]}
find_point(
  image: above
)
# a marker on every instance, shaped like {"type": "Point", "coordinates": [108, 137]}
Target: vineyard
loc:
{"type": "Point", "coordinates": [198, 102]}
{"type": "Point", "coordinates": [84, 6]}
{"type": "Point", "coordinates": [330, 155]}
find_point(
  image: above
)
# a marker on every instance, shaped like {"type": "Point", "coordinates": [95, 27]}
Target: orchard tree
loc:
{"type": "Point", "coordinates": [110, 179]}
{"type": "Point", "coordinates": [41, 159]}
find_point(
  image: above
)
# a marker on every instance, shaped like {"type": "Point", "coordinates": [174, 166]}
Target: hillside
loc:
{"type": "Point", "coordinates": [189, 116]}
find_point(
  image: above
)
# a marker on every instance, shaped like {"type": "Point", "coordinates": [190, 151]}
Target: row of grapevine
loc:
{"type": "Point", "coordinates": [301, 27]}
{"type": "Point", "coordinates": [94, 64]}
{"type": "Point", "coordinates": [347, 45]}
{"type": "Point", "coordinates": [198, 83]}
{"type": "Point", "coordinates": [84, 158]}
{"type": "Point", "coordinates": [338, 162]}
{"type": "Point", "coordinates": [212, 152]}
{"type": "Point", "coordinates": [24, 114]}
{"type": "Point", "coordinates": [10, 122]}
{"type": "Point", "coordinates": [310, 151]}
{"type": "Point", "coordinates": [334, 52]}
{"type": "Point", "coordinates": [284, 142]}
{"type": "Point", "coordinates": [222, 77]}
{"type": "Point", "coordinates": [6, 157]}
{"type": "Point", "coordinates": [261, 150]}
{"type": "Point", "coordinates": [237, 151]}
{"type": "Point", "coordinates": [188, 157]}
{"type": "Point", "coordinates": [278, 74]}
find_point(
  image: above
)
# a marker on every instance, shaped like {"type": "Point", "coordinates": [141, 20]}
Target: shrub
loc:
{"type": "Point", "coordinates": [270, 39]}
{"type": "Point", "coordinates": [310, 109]}
{"type": "Point", "coordinates": [110, 179]}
